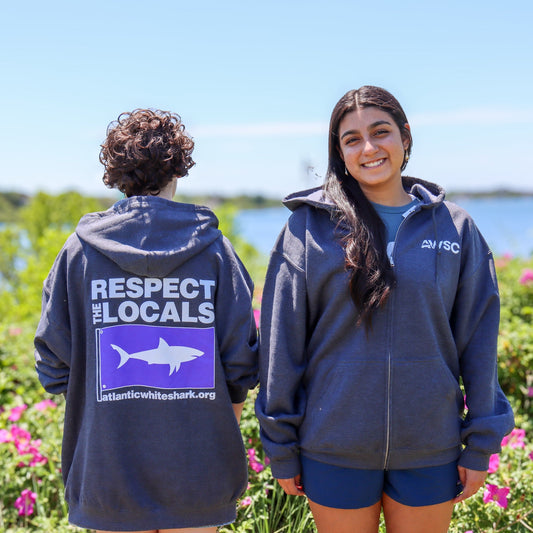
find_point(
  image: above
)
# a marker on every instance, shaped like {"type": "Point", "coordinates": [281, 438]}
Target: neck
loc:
{"type": "Point", "coordinates": [392, 197]}
{"type": "Point", "coordinates": [169, 190]}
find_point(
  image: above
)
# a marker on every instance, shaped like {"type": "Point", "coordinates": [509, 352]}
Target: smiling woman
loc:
{"type": "Point", "coordinates": [379, 298]}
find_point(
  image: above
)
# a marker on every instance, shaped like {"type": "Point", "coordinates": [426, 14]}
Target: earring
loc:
{"type": "Point", "coordinates": [406, 157]}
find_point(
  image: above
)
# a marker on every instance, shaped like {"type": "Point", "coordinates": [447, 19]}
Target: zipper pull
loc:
{"type": "Point", "coordinates": [390, 251]}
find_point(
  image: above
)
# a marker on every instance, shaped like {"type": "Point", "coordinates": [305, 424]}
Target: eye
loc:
{"type": "Point", "coordinates": [381, 133]}
{"type": "Point", "coordinates": [351, 140]}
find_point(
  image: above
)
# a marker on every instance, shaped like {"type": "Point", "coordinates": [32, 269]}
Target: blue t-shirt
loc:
{"type": "Point", "coordinates": [392, 217]}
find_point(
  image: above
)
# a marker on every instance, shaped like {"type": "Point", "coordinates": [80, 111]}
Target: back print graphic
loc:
{"type": "Point", "coordinates": [137, 355]}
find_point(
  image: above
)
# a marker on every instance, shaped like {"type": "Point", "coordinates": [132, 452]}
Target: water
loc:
{"type": "Point", "coordinates": [506, 223]}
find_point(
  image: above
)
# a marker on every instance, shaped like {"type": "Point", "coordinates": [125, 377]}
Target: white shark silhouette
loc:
{"type": "Point", "coordinates": [162, 355]}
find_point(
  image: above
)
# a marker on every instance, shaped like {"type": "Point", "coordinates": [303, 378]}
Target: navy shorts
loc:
{"type": "Point", "coordinates": [351, 488]}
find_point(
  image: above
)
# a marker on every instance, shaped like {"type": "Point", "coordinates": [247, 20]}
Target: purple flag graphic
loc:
{"type": "Point", "coordinates": [156, 356]}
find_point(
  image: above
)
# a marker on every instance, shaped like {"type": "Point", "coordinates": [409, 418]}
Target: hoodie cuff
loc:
{"type": "Point", "coordinates": [285, 469]}
{"type": "Point", "coordinates": [474, 460]}
{"type": "Point", "coordinates": [237, 394]}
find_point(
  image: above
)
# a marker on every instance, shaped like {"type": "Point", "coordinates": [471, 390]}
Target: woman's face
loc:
{"type": "Point", "coordinates": [372, 149]}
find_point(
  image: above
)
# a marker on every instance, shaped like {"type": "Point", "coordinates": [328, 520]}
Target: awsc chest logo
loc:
{"type": "Point", "coordinates": [447, 246]}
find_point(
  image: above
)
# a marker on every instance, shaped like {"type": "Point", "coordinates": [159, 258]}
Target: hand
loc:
{"type": "Point", "coordinates": [472, 481]}
{"type": "Point", "coordinates": [292, 486]}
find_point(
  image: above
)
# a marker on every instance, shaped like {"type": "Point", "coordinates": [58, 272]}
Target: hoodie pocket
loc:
{"type": "Point", "coordinates": [426, 404]}
{"type": "Point", "coordinates": [345, 410]}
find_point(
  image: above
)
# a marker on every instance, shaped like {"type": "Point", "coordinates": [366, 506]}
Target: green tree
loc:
{"type": "Point", "coordinates": [60, 212]}
{"type": "Point", "coordinates": [30, 245]}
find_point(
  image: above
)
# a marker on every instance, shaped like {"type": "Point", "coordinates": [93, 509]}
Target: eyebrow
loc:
{"type": "Point", "coordinates": [373, 125]}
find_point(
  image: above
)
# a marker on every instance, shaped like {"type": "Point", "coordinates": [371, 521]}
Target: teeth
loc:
{"type": "Point", "coordinates": [373, 164]}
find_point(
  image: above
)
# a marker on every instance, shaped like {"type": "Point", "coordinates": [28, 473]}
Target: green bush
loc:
{"type": "Point", "coordinates": [515, 346]}
{"type": "Point", "coordinates": [30, 430]}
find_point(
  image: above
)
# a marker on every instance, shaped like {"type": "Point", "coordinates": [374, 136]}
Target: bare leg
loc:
{"type": "Point", "coordinates": [405, 519]}
{"type": "Point", "coordinates": [331, 520]}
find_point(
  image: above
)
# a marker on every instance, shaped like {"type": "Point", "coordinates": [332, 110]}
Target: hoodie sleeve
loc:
{"type": "Point", "coordinates": [475, 323]}
{"type": "Point", "coordinates": [53, 339]}
{"type": "Point", "coordinates": [281, 402]}
{"type": "Point", "coordinates": [235, 325]}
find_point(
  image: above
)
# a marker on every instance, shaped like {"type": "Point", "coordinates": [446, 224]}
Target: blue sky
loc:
{"type": "Point", "coordinates": [255, 84]}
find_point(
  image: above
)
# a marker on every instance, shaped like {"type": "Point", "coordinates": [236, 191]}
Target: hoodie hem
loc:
{"type": "Point", "coordinates": [398, 461]}
{"type": "Point", "coordinates": [154, 519]}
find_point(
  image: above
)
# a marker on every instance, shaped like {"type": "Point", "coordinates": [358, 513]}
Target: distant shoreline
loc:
{"type": "Point", "coordinates": [494, 193]}
{"type": "Point", "coordinates": [11, 201]}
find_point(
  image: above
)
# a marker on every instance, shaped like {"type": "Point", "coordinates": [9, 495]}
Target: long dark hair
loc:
{"type": "Point", "coordinates": [365, 247]}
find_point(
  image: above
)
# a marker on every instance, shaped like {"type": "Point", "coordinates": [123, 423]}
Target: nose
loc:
{"type": "Point", "coordinates": [369, 147]}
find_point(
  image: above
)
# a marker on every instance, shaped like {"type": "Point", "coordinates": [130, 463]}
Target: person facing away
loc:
{"type": "Point", "coordinates": [380, 297]}
{"type": "Point", "coordinates": [147, 328]}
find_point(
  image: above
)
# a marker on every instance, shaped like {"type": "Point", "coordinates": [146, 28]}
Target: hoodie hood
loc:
{"type": "Point", "coordinates": [428, 193]}
{"type": "Point", "coordinates": [148, 235]}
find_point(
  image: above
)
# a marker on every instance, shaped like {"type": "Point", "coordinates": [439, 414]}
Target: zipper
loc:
{"type": "Point", "coordinates": [388, 420]}
{"type": "Point", "coordinates": [406, 215]}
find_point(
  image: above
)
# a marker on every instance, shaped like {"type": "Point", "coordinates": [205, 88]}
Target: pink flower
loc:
{"type": "Point", "coordinates": [494, 463]}
{"type": "Point", "coordinates": [246, 501]}
{"type": "Point", "coordinates": [20, 437]}
{"type": "Point", "coordinates": [255, 465]}
{"type": "Point", "coordinates": [5, 435]}
{"type": "Point", "coordinates": [494, 494]}
{"type": "Point", "coordinates": [16, 412]}
{"type": "Point", "coordinates": [469, 531]}
{"type": "Point", "coordinates": [515, 439]}
{"type": "Point", "coordinates": [15, 331]}
{"type": "Point", "coordinates": [257, 316]}
{"type": "Point", "coordinates": [526, 277]}
{"type": "Point", "coordinates": [530, 392]}
{"type": "Point", "coordinates": [531, 456]}
{"type": "Point", "coordinates": [37, 458]}
{"type": "Point", "coordinates": [45, 404]}
{"type": "Point", "coordinates": [24, 445]}
{"type": "Point", "coordinates": [32, 448]}
{"type": "Point", "coordinates": [25, 502]}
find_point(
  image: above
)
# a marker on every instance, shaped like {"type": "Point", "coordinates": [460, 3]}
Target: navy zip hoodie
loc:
{"type": "Point", "coordinates": [147, 328]}
{"type": "Point", "coordinates": [392, 399]}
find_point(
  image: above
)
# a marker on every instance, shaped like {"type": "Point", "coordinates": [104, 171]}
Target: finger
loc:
{"type": "Point", "coordinates": [290, 487]}
{"type": "Point", "coordinates": [469, 490]}
{"type": "Point", "coordinates": [462, 474]}
{"type": "Point", "coordinates": [463, 496]}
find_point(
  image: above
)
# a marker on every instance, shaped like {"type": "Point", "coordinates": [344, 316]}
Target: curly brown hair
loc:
{"type": "Point", "coordinates": [144, 150]}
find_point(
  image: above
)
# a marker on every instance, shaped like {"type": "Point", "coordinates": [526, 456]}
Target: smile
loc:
{"type": "Point", "coordinates": [373, 164]}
